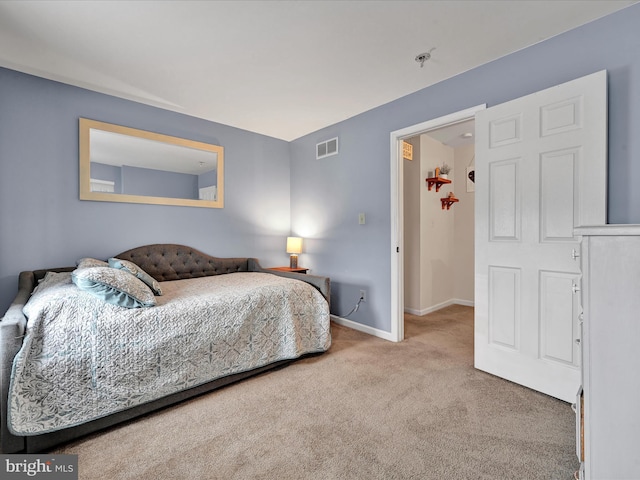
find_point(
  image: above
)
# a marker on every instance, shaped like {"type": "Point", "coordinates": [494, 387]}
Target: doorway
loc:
{"type": "Point", "coordinates": [398, 253]}
{"type": "Point", "coordinates": [439, 239]}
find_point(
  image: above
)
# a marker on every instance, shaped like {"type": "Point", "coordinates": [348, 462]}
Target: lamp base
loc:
{"type": "Point", "coordinates": [293, 261]}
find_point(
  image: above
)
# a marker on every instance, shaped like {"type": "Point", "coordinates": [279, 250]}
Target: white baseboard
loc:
{"type": "Point", "coordinates": [433, 308]}
{"type": "Point", "coordinates": [362, 328]}
{"type": "Point", "coordinates": [464, 303]}
{"type": "Point", "coordinates": [387, 335]}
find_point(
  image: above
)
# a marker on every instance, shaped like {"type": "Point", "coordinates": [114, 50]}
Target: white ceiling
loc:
{"type": "Point", "coordinates": [457, 135]}
{"type": "Point", "coordinates": [280, 68]}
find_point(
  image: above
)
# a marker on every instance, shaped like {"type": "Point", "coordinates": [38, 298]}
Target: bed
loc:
{"type": "Point", "coordinates": [90, 346]}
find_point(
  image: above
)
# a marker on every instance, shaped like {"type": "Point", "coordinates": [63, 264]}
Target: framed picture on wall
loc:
{"type": "Point", "coordinates": [471, 179]}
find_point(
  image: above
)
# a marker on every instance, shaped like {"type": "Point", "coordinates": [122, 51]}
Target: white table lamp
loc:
{"type": "Point", "coordinates": [294, 247]}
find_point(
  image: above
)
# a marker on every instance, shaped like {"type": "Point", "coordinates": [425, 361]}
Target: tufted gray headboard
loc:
{"type": "Point", "coordinates": [168, 261]}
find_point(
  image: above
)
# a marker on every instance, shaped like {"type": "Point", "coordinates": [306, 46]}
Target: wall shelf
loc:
{"type": "Point", "coordinates": [448, 201]}
{"type": "Point", "coordinates": [437, 181]}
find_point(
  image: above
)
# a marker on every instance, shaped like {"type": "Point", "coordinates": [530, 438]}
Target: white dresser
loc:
{"type": "Point", "coordinates": [609, 442]}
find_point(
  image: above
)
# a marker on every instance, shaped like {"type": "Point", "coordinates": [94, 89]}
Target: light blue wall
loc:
{"type": "Point", "coordinates": [327, 195]}
{"type": "Point", "coordinates": [44, 224]}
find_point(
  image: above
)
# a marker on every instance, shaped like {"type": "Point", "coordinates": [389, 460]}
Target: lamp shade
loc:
{"type": "Point", "coordinates": [294, 245]}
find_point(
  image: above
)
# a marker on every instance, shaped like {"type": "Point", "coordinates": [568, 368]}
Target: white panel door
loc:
{"type": "Point", "coordinates": [540, 172]}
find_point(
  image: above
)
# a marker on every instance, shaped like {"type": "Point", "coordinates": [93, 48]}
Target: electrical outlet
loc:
{"type": "Point", "coordinates": [363, 295]}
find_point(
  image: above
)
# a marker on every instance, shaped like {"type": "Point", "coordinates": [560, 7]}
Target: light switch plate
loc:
{"type": "Point", "coordinates": [361, 219]}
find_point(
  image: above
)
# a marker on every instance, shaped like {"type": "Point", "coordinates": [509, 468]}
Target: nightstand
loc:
{"type": "Point", "coordinates": [289, 269]}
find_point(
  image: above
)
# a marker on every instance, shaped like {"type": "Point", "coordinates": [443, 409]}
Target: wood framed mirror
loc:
{"type": "Point", "coordinates": [123, 164]}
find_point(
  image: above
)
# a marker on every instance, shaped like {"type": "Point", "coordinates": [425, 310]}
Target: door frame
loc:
{"type": "Point", "coordinates": [397, 208]}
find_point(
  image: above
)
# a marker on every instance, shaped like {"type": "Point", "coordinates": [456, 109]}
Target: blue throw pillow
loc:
{"type": "Point", "coordinates": [114, 286]}
{"type": "Point", "coordinates": [134, 269]}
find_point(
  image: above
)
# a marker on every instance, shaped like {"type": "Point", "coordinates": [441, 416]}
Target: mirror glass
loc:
{"type": "Point", "coordinates": [122, 164]}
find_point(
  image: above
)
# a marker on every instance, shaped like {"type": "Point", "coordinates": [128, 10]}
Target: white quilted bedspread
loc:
{"type": "Point", "coordinates": [83, 358]}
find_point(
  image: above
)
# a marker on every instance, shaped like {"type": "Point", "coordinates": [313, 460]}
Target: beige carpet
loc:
{"type": "Point", "coordinates": [367, 409]}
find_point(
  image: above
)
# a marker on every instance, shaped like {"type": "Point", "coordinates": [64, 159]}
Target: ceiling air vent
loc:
{"type": "Point", "coordinates": [326, 149]}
